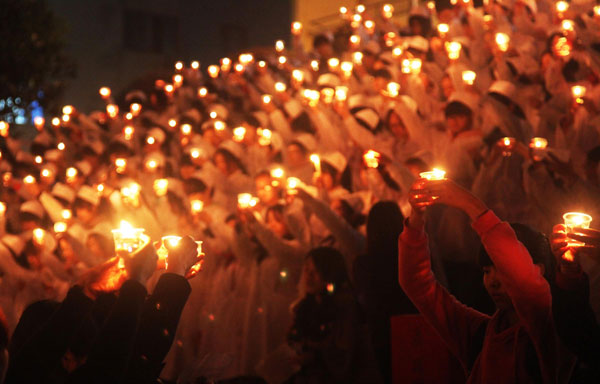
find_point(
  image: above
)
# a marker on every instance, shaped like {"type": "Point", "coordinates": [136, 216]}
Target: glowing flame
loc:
{"type": "Point", "coordinates": [435, 174]}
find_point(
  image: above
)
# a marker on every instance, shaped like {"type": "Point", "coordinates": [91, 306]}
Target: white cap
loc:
{"type": "Point", "coordinates": [158, 135]}
{"type": "Point", "coordinates": [336, 160]}
{"type": "Point", "coordinates": [372, 47]}
{"type": "Point", "coordinates": [53, 155]}
{"type": "Point", "coordinates": [89, 194]}
{"type": "Point", "coordinates": [204, 177]}
{"type": "Point", "coordinates": [358, 100]}
{"type": "Point", "coordinates": [220, 110]}
{"type": "Point", "coordinates": [505, 88]}
{"type": "Point", "coordinates": [417, 42]}
{"type": "Point", "coordinates": [64, 192]}
{"type": "Point", "coordinates": [33, 207]}
{"type": "Point", "coordinates": [233, 148]}
{"type": "Point", "coordinates": [14, 243]}
{"type": "Point", "coordinates": [328, 80]}
{"type": "Point", "coordinates": [194, 115]}
{"type": "Point", "coordinates": [368, 116]}
{"type": "Point", "coordinates": [307, 141]}
{"type": "Point", "coordinates": [464, 98]}
{"type": "Point", "coordinates": [293, 108]}
{"type": "Point", "coordinates": [84, 167]}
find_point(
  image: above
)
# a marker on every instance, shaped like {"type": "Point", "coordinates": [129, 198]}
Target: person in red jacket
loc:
{"type": "Point", "coordinates": [518, 343]}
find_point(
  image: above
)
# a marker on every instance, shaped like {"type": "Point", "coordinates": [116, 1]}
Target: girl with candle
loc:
{"type": "Point", "coordinates": [497, 348]}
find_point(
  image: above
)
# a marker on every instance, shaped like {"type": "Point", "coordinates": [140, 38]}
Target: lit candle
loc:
{"type": "Point", "coordinates": [443, 29]}
{"type": "Point", "coordinates": [469, 77]}
{"type": "Point", "coordinates": [195, 65]}
{"type": "Point", "coordinates": [38, 236]}
{"type": "Point", "coordinates": [567, 25]}
{"type": "Point", "coordinates": [392, 89]}
{"type": "Point", "coordinates": [453, 49]}
{"type": "Point", "coordinates": [163, 252]}
{"type": "Point", "coordinates": [279, 45]}
{"type": "Point", "coordinates": [333, 63]}
{"type": "Point", "coordinates": [341, 93]}
{"type": "Point", "coordinates": [135, 108]}
{"type": "Point", "coordinates": [219, 126]}
{"type": "Point", "coordinates": [244, 200]}
{"type": "Point", "coordinates": [151, 165]}
{"type": "Point", "coordinates": [2, 208]}
{"type": "Point", "coordinates": [39, 121]}
{"type": "Point", "coordinates": [397, 51]}
{"type": "Point", "coordinates": [314, 64]}
{"type": "Point", "coordinates": [238, 134]}
{"type": "Point", "coordinates": [371, 158]}
{"type": "Point", "coordinates": [66, 214]}
{"type": "Point", "coordinates": [280, 87]}
{"type": "Point", "coordinates": [562, 46]}
{"type": "Point", "coordinates": [67, 110]}
{"type": "Point", "coordinates": [347, 67]}
{"type": "Point", "coordinates": [343, 11]}
{"type": "Point", "coordinates": [38, 159]}
{"type": "Point", "coordinates": [71, 174]}
{"type": "Point", "coordinates": [160, 187]}
{"type": "Point", "coordinates": [265, 135]}
{"type": "Point", "coordinates": [60, 227]}
{"type": "Point", "coordinates": [172, 123]}
{"type": "Point", "coordinates": [538, 148]}
{"type": "Point", "coordinates": [370, 26]}
{"type": "Point", "coordinates": [296, 28]}
{"type": "Point", "coordinates": [127, 238]}
{"type": "Point", "coordinates": [266, 99]}
{"type": "Point", "coordinates": [29, 179]}
{"type": "Point", "coordinates": [507, 144]}
{"type": "Point", "coordinates": [277, 173]}
{"type": "Point", "coordinates": [112, 110]}
{"type": "Point", "coordinates": [387, 11]}
{"type": "Point", "coordinates": [562, 6]}
{"type": "Point", "coordinates": [298, 75]}
{"type": "Point", "coordinates": [355, 40]}
{"type": "Point", "coordinates": [202, 92]}
{"type": "Point", "coordinates": [390, 39]}
{"type": "Point", "coordinates": [578, 92]}
{"type": "Point", "coordinates": [575, 220]}
{"type": "Point", "coordinates": [179, 65]}
{"type": "Point", "coordinates": [357, 58]}
{"type": "Point", "coordinates": [120, 165]}
{"type": "Point", "coordinates": [131, 194]}
{"type": "Point", "coordinates": [4, 128]}
{"type": "Point", "coordinates": [316, 160]}
{"type": "Point", "coordinates": [502, 41]}
{"type": "Point", "coordinates": [213, 71]}
{"type": "Point", "coordinates": [597, 10]}
{"type": "Point", "coordinates": [186, 129]}
{"type": "Point", "coordinates": [55, 122]}
{"type": "Point", "coordinates": [292, 184]}
{"type": "Point", "coordinates": [435, 174]}
{"type": "Point", "coordinates": [195, 153]}
{"type": "Point", "coordinates": [60, 146]}
{"type": "Point", "coordinates": [105, 92]}
{"type": "Point", "coordinates": [360, 8]}
{"type": "Point", "coordinates": [197, 206]}
{"type": "Point", "coordinates": [225, 64]}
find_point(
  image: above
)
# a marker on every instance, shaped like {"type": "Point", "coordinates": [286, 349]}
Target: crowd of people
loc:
{"type": "Point", "coordinates": [307, 176]}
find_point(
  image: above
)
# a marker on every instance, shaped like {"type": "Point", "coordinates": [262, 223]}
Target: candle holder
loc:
{"type": "Point", "coordinates": [435, 174]}
{"type": "Point", "coordinates": [575, 220]}
{"type": "Point", "coordinates": [128, 239]}
{"type": "Point", "coordinates": [371, 159]}
{"type": "Point", "coordinates": [538, 148]}
{"type": "Point", "coordinates": [507, 144]}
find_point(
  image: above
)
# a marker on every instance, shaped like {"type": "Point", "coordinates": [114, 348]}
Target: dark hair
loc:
{"type": "Point", "coordinates": [82, 204]}
{"type": "Point", "coordinates": [384, 224]}
{"type": "Point", "coordinates": [302, 123]}
{"type": "Point", "coordinates": [320, 39]}
{"type": "Point", "coordinates": [537, 245]}
{"type": "Point", "coordinates": [232, 159]}
{"type": "Point", "coordinates": [457, 108]}
{"type": "Point", "coordinates": [194, 186]}
{"type": "Point", "coordinates": [330, 264]}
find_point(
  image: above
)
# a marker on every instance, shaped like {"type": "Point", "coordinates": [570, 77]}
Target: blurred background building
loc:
{"type": "Point", "coordinates": [116, 42]}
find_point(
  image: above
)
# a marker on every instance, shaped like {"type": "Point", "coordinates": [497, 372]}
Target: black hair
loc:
{"type": "Point", "coordinates": [82, 204]}
{"type": "Point", "coordinates": [320, 39]}
{"type": "Point", "coordinates": [233, 159]}
{"type": "Point", "coordinates": [594, 155]}
{"type": "Point", "coordinates": [302, 123]}
{"type": "Point", "coordinates": [330, 264]}
{"type": "Point", "coordinates": [457, 108]}
{"type": "Point", "coordinates": [537, 245]}
{"type": "Point", "coordinates": [194, 185]}
{"type": "Point", "coordinates": [383, 72]}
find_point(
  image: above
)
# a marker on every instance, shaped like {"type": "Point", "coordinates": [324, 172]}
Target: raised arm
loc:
{"type": "Point", "coordinates": [460, 326]}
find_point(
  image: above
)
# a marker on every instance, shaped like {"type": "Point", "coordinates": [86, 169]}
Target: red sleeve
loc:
{"type": "Point", "coordinates": [455, 322]}
{"type": "Point", "coordinates": [526, 286]}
